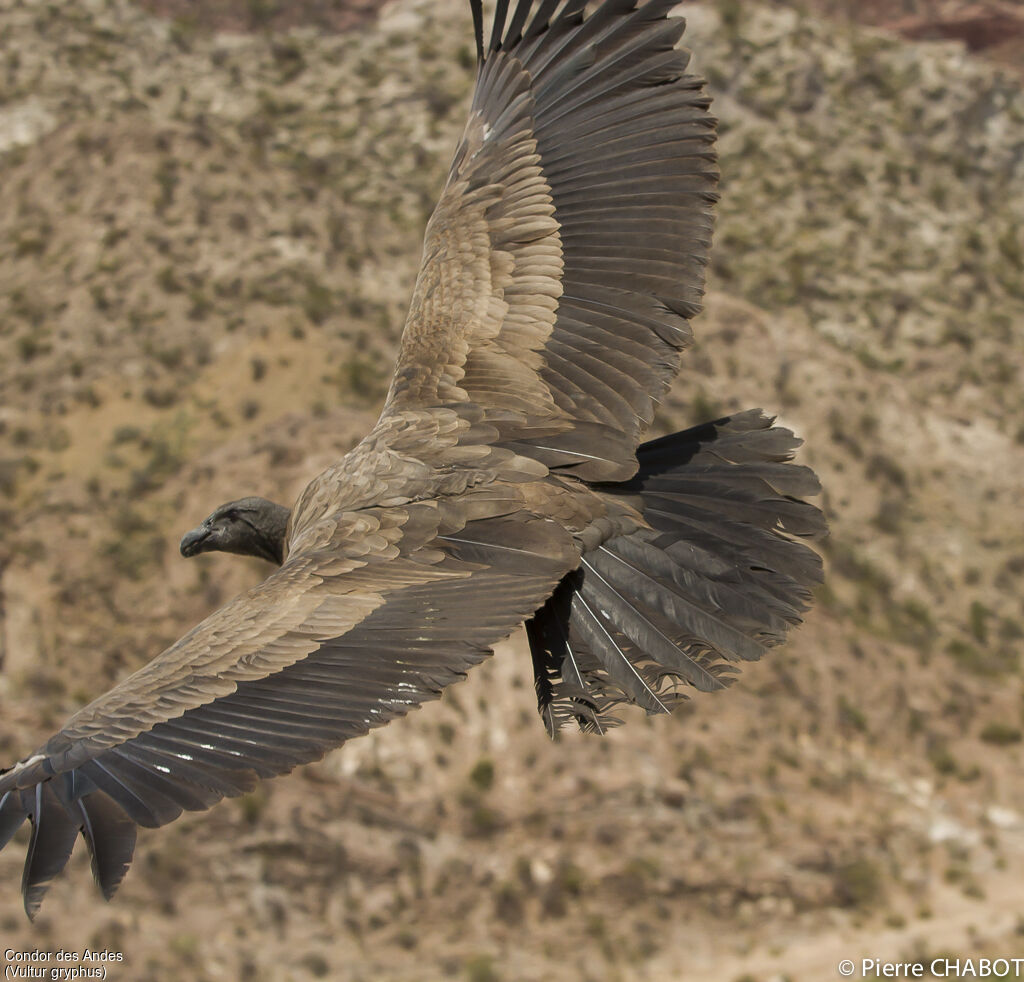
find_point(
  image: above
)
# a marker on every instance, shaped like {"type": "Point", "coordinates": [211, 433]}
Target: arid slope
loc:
{"type": "Point", "coordinates": [207, 243]}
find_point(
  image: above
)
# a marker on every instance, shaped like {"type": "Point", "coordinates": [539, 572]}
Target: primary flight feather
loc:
{"type": "Point", "coordinates": [502, 483]}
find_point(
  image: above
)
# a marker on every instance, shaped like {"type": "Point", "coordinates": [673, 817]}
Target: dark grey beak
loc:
{"type": "Point", "coordinates": [192, 542]}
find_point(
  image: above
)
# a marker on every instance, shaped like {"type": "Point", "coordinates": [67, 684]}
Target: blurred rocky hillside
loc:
{"type": "Point", "coordinates": [209, 230]}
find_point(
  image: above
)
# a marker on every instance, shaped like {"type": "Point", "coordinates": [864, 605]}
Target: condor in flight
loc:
{"type": "Point", "coordinates": [502, 483]}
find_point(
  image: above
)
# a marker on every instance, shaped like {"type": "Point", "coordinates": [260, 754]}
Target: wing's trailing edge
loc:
{"type": "Point", "coordinates": [448, 594]}
{"type": "Point", "coordinates": [568, 249]}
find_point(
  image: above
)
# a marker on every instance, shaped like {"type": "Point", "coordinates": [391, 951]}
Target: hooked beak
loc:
{"type": "Point", "coordinates": [192, 542]}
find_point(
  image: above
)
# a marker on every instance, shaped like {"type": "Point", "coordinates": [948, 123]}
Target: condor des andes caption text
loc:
{"type": "Point", "coordinates": [40, 956]}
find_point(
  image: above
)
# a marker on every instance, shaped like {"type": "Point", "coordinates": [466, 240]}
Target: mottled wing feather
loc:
{"type": "Point", "coordinates": [326, 649]}
{"type": "Point", "coordinates": [485, 298]}
{"type": "Point", "coordinates": [569, 244]}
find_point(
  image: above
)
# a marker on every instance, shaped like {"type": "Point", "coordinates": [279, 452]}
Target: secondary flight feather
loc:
{"type": "Point", "coordinates": [502, 483]}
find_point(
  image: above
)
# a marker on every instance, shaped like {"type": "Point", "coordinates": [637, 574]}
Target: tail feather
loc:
{"type": "Point", "coordinates": [740, 543]}
{"type": "Point", "coordinates": [737, 503]}
{"type": "Point", "coordinates": [620, 665]}
{"type": "Point", "coordinates": [562, 667]}
{"type": "Point", "coordinates": [767, 483]}
{"type": "Point", "coordinates": [719, 576]}
{"type": "Point", "coordinates": [751, 608]}
{"type": "Point", "coordinates": [701, 612]}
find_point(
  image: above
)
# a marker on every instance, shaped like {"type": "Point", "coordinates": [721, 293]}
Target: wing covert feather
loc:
{"type": "Point", "coordinates": [324, 650]}
{"type": "Point", "coordinates": [574, 226]}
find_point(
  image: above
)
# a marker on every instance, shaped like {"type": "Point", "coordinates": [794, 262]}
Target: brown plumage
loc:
{"type": "Point", "coordinates": [502, 482]}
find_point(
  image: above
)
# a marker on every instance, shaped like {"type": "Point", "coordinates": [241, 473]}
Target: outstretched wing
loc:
{"type": "Point", "coordinates": [559, 269]}
{"type": "Point", "coordinates": [568, 248]}
{"type": "Point", "coordinates": [400, 603]}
